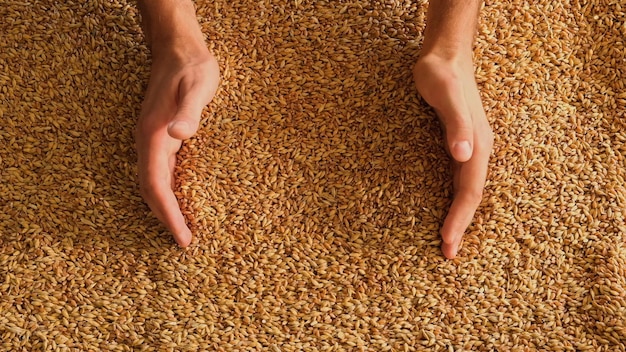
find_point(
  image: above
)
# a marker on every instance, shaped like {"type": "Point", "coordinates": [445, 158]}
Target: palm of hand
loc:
{"type": "Point", "coordinates": [450, 89]}
{"type": "Point", "coordinates": [171, 112]}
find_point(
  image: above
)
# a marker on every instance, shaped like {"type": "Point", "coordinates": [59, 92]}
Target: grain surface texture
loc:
{"type": "Point", "coordinates": [315, 186]}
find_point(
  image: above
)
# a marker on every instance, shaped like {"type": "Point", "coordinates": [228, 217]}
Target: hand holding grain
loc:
{"type": "Point", "coordinates": [180, 87]}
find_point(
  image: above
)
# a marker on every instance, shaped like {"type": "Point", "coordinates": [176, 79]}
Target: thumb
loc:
{"type": "Point", "coordinates": [459, 133]}
{"type": "Point", "coordinates": [187, 118]}
{"type": "Point", "coordinates": [461, 141]}
{"type": "Point", "coordinates": [454, 113]}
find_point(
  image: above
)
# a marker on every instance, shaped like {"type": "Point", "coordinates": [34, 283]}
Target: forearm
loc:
{"type": "Point", "coordinates": [451, 27]}
{"type": "Point", "coordinates": [171, 24]}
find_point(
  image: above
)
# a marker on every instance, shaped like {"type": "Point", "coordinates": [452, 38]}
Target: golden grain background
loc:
{"type": "Point", "coordinates": [316, 184]}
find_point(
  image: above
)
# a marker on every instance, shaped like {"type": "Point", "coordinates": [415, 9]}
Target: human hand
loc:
{"type": "Point", "coordinates": [180, 87]}
{"type": "Point", "coordinates": [449, 87]}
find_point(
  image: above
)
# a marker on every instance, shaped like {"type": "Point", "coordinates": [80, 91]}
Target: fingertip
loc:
{"type": "Point", "coordinates": [450, 241]}
{"type": "Point", "coordinates": [183, 238]}
{"type": "Point", "coordinates": [461, 151]}
{"type": "Point", "coordinates": [449, 250]}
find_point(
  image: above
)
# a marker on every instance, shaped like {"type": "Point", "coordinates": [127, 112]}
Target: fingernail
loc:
{"type": "Point", "coordinates": [179, 124]}
{"type": "Point", "coordinates": [462, 151]}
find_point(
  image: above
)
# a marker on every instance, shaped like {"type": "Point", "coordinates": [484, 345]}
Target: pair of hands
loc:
{"type": "Point", "coordinates": [179, 89]}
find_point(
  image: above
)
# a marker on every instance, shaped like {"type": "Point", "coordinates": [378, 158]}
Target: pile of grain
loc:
{"type": "Point", "coordinates": [316, 185]}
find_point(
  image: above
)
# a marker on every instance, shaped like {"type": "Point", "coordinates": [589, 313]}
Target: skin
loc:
{"type": "Point", "coordinates": [185, 77]}
{"type": "Point", "coordinates": [444, 77]}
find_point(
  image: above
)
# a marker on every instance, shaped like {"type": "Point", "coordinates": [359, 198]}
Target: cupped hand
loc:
{"type": "Point", "coordinates": [180, 87]}
{"type": "Point", "coordinates": [449, 87]}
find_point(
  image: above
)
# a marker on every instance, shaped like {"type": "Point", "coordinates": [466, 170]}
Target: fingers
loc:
{"type": "Point", "coordinates": [157, 160]}
{"type": "Point", "coordinates": [164, 205]}
{"type": "Point", "coordinates": [459, 218]}
{"type": "Point", "coordinates": [470, 180]}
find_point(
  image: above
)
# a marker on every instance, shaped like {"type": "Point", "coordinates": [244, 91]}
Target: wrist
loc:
{"type": "Point", "coordinates": [171, 29]}
{"type": "Point", "coordinates": [448, 50]}
{"type": "Point", "coordinates": [450, 28]}
{"type": "Point", "coordinates": [181, 49]}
